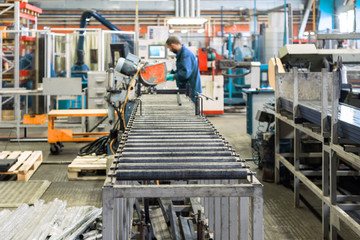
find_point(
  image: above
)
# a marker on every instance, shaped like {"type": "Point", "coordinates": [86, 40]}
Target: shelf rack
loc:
{"type": "Point", "coordinates": [293, 92]}
{"type": "Point", "coordinates": [18, 38]}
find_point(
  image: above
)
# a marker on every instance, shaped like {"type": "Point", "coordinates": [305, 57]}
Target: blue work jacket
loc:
{"type": "Point", "coordinates": [187, 70]}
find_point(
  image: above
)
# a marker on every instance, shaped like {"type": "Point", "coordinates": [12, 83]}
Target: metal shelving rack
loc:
{"type": "Point", "coordinates": [322, 87]}
{"type": "Point", "coordinates": [18, 13]}
{"type": "Point", "coordinates": [23, 18]}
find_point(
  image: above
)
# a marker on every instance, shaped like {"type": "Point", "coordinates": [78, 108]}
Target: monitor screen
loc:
{"type": "Point", "coordinates": [157, 51]}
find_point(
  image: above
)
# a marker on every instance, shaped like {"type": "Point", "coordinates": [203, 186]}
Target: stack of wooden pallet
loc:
{"type": "Point", "coordinates": [88, 168]}
{"type": "Point", "coordinates": [25, 166]}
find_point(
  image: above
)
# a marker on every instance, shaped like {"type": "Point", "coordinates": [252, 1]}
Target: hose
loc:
{"type": "Point", "coordinates": [127, 95]}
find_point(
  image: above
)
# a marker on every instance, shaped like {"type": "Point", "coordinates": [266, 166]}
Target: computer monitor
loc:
{"type": "Point", "coordinates": [157, 51]}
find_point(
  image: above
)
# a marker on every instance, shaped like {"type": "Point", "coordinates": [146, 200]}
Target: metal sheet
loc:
{"type": "Point", "coordinates": [14, 194]}
{"type": "Point", "coordinates": [349, 117]}
{"type": "Point", "coordinates": [62, 86]}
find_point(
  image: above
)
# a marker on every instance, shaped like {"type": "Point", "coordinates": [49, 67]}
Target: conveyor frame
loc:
{"type": "Point", "coordinates": [233, 207]}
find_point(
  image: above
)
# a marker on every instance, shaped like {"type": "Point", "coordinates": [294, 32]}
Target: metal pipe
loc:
{"type": "Point", "coordinates": [271, 10]}
{"type": "Point", "coordinates": [96, 237]}
{"type": "Point", "coordinates": [187, 8]}
{"type": "Point", "coordinates": [192, 8]}
{"type": "Point", "coordinates": [92, 214]}
{"type": "Point", "coordinates": [184, 228]}
{"type": "Point", "coordinates": [95, 214]}
{"type": "Point", "coordinates": [163, 209]}
{"type": "Point", "coordinates": [88, 234]}
{"type": "Point", "coordinates": [178, 94]}
{"type": "Point", "coordinates": [197, 8]}
{"type": "Point", "coordinates": [222, 30]}
{"type": "Point", "coordinates": [177, 8]}
{"type": "Point", "coordinates": [305, 19]}
{"type": "Point", "coordinates": [173, 225]}
{"type": "Point", "coordinates": [197, 105]}
{"type": "Point", "coordinates": [181, 8]}
{"type": "Point", "coordinates": [187, 174]}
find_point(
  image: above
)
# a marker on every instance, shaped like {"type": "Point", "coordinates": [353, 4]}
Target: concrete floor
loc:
{"type": "Point", "coordinates": [282, 220]}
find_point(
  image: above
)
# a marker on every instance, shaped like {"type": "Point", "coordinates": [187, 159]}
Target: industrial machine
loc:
{"type": "Point", "coordinates": [212, 81]}
{"type": "Point", "coordinates": [307, 58]}
{"type": "Point", "coordinates": [80, 69]}
{"type": "Point", "coordinates": [121, 82]}
{"type": "Point", "coordinates": [123, 85]}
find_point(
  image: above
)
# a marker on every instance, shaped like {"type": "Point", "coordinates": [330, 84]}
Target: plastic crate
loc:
{"type": "Point", "coordinates": [34, 119]}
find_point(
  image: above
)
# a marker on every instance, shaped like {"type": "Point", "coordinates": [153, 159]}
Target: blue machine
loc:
{"type": "Point", "coordinates": [235, 85]}
{"type": "Point", "coordinates": [233, 90]}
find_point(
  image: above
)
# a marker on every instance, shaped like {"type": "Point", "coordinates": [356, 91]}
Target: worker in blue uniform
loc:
{"type": "Point", "coordinates": [187, 67]}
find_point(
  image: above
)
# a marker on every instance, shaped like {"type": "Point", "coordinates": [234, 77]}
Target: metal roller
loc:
{"type": "Point", "coordinates": [168, 142]}
{"type": "Point", "coordinates": [177, 148]}
{"type": "Point", "coordinates": [180, 174]}
{"type": "Point", "coordinates": [177, 154]}
{"type": "Point", "coordinates": [204, 166]}
{"type": "Point", "coordinates": [184, 160]}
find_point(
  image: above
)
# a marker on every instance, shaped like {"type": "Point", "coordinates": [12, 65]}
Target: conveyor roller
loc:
{"type": "Point", "coordinates": [169, 142]}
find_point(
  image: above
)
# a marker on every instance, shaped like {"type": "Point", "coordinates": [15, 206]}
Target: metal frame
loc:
{"type": "Point", "coordinates": [77, 30]}
{"type": "Point", "coordinates": [226, 206]}
{"type": "Point", "coordinates": [233, 208]}
{"type": "Point", "coordinates": [104, 47]}
{"type": "Point", "coordinates": [334, 204]}
{"type": "Point", "coordinates": [16, 91]}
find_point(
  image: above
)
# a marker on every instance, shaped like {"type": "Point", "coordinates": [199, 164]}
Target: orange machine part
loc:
{"type": "Point", "coordinates": [203, 63]}
{"type": "Point", "coordinates": [202, 56]}
{"type": "Point", "coordinates": [153, 74]}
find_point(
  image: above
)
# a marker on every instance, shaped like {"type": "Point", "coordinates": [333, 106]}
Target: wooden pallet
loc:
{"type": "Point", "coordinates": [88, 168]}
{"type": "Point", "coordinates": [28, 162]}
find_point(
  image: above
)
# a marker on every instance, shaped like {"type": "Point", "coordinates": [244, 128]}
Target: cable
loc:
{"type": "Point", "coordinates": [111, 148]}
{"type": "Point", "coordinates": [127, 95]}
{"type": "Point", "coordinates": [98, 147]}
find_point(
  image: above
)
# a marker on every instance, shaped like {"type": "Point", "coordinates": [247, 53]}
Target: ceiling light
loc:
{"type": "Point", "coordinates": [201, 30]}
{"type": "Point", "coordinates": [171, 30]}
{"type": "Point", "coordinates": [184, 31]}
{"type": "Point", "coordinates": [186, 21]}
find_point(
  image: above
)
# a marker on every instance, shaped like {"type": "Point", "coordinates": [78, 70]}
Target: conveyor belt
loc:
{"type": "Point", "coordinates": [169, 142]}
{"type": "Point", "coordinates": [349, 117]}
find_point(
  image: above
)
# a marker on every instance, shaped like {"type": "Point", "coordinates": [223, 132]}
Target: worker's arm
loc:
{"type": "Point", "coordinates": [184, 69]}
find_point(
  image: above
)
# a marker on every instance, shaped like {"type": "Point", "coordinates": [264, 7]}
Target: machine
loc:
{"type": "Point", "coordinates": [127, 73]}
{"type": "Point", "coordinates": [212, 81]}
{"type": "Point", "coordinates": [80, 68]}
{"type": "Point", "coordinates": [308, 58]}
{"type": "Point", "coordinates": [123, 85]}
